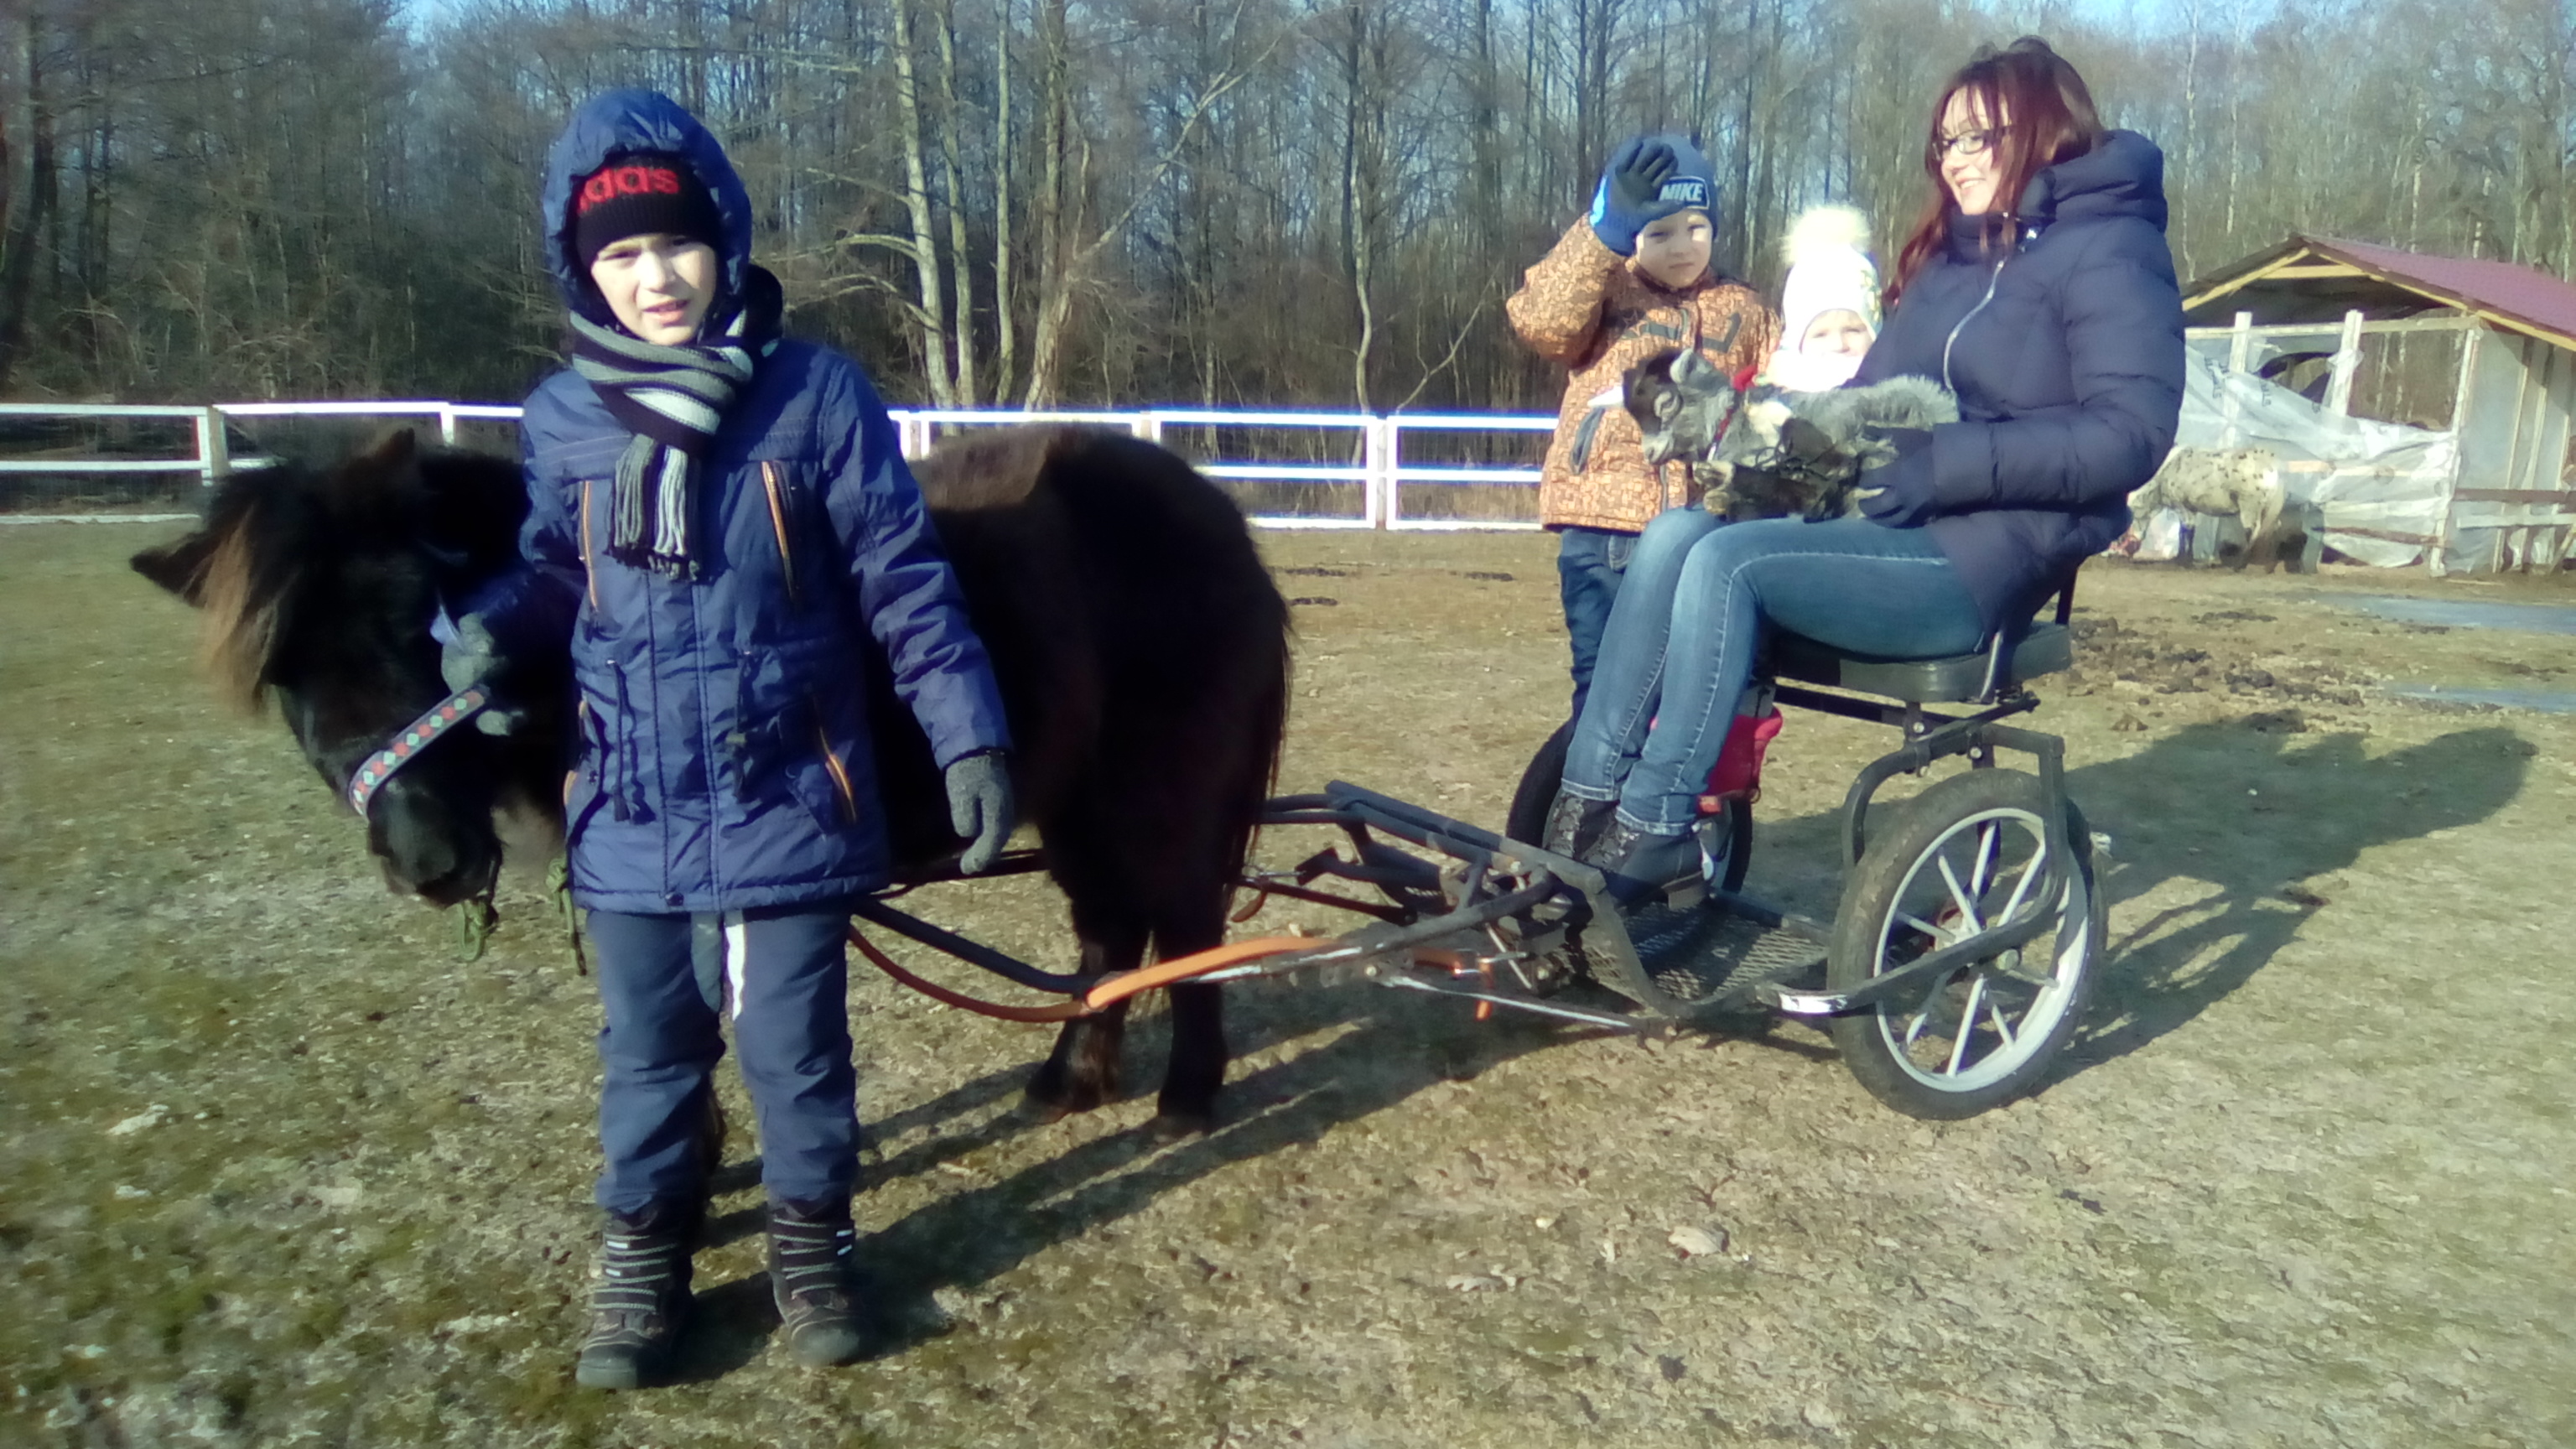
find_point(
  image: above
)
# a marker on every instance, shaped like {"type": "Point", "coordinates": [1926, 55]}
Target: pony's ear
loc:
{"type": "Point", "coordinates": [396, 449]}
{"type": "Point", "coordinates": [179, 565]}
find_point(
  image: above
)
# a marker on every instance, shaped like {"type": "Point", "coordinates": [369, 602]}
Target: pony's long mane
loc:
{"type": "Point", "coordinates": [242, 572]}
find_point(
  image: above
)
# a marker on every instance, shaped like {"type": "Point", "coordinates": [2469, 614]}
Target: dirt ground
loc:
{"type": "Point", "coordinates": [275, 1168]}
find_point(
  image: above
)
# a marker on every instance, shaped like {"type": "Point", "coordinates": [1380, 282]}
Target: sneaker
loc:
{"type": "Point", "coordinates": [1573, 823]}
{"type": "Point", "coordinates": [1640, 865]}
{"type": "Point", "coordinates": [809, 1277]}
{"type": "Point", "coordinates": [640, 1299]}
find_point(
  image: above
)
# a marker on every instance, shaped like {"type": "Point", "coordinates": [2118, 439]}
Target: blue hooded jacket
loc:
{"type": "Point", "coordinates": [2064, 343]}
{"type": "Point", "coordinates": [725, 761]}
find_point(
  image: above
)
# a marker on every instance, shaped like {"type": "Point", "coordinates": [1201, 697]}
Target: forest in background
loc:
{"type": "Point", "coordinates": [1131, 202]}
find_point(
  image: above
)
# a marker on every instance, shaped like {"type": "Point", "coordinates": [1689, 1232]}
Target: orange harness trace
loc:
{"type": "Point", "coordinates": [1108, 991]}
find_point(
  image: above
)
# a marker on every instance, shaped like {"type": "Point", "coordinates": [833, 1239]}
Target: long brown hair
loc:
{"type": "Point", "coordinates": [2052, 120]}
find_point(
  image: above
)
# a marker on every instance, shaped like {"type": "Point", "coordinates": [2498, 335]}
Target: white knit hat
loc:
{"type": "Point", "coordinates": [1829, 270]}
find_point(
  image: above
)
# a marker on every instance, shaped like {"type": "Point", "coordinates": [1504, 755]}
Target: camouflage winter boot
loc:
{"type": "Point", "coordinates": [640, 1299]}
{"type": "Point", "coordinates": [1574, 823]}
{"type": "Point", "coordinates": [809, 1276]}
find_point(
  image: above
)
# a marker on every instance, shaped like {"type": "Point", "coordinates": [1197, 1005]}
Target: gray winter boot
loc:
{"type": "Point", "coordinates": [809, 1276]}
{"type": "Point", "coordinates": [641, 1297]}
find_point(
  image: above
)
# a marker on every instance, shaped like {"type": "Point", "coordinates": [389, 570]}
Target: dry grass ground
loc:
{"type": "Point", "coordinates": [275, 1169]}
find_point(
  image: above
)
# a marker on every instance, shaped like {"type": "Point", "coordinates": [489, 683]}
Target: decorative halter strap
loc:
{"type": "Point", "coordinates": [443, 716]}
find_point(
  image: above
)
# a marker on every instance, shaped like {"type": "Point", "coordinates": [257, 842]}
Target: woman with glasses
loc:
{"type": "Point", "coordinates": [2037, 286]}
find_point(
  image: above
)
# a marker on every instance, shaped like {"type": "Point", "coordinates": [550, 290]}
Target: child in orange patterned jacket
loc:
{"type": "Point", "coordinates": [1629, 280]}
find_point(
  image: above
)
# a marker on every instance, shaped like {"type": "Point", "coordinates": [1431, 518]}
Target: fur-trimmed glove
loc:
{"type": "Point", "coordinates": [979, 806]}
{"type": "Point", "coordinates": [1899, 494]}
{"type": "Point", "coordinates": [474, 657]}
{"type": "Point", "coordinates": [1629, 198]}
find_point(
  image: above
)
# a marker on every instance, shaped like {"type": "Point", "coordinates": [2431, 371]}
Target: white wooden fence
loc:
{"type": "Point", "coordinates": [1376, 442]}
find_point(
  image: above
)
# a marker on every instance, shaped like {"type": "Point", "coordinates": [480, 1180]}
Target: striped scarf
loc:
{"type": "Point", "coordinates": [673, 399]}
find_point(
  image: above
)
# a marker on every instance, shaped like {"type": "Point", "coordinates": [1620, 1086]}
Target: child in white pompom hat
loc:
{"type": "Point", "coordinates": [1829, 305]}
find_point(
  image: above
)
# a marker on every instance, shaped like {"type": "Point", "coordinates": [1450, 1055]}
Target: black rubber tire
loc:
{"type": "Point", "coordinates": [1861, 930]}
{"type": "Point", "coordinates": [1536, 793]}
{"type": "Point", "coordinates": [1531, 799]}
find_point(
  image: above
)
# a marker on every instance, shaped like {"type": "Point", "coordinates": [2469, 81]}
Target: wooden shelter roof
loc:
{"type": "Point", "coordinates": [2318, 279]}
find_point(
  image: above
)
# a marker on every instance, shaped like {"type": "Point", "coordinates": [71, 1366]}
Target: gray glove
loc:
{"type": "Point", "coordinates": [473, 657]}
{"type": "Point", "coordinates": [979, 806]}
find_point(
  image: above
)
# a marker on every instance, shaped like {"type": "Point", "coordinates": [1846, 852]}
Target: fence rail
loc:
{"type": "Point", "coordinates": [1375, 444]}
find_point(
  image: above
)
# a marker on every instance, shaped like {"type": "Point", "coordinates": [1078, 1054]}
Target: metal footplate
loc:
{"type": "Point", "coordinates": [1713, 957]}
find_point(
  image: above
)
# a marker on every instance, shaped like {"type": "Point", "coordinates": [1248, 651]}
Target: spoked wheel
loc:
{"type": "Point", "coordinates": [1725, 838]}
{"type": "Point", "coordinates": [1965, 856]}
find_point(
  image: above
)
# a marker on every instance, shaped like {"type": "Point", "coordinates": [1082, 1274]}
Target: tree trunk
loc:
{"type": "Point", "coordinates": [961, 268]}
{"type": "Point", "coordinates": [1006, 326]}
{"type": "Point", "coordinates": [1357, 171]}
{"type": "Point", "coordinates": [1054, 226]}
{"type": "Point", "coordinates": [26, 209]}
{"type": "Point", "coordinates": [932, 325]}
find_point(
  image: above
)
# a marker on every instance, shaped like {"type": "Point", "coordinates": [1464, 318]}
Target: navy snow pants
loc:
{"type": "Point", "coordinates": [665, 980]}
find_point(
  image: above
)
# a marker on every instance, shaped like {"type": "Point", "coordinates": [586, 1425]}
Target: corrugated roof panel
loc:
{"type": "Point", "coordinates": [2504, 288]}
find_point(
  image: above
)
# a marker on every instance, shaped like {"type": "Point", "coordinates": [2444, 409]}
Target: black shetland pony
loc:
{"type": "Point", "coordinates": [1140, 645]}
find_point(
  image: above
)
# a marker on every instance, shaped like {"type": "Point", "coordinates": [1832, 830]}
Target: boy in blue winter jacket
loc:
{"type": "Point", "coordinates": [714, 513]}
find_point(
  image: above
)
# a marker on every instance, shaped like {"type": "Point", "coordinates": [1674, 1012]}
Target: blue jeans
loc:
{"type": "Point", "coordinates": [1681, 641]}
{"type": "Point", "coordinates": [665, 980]}
{"type": "Point", "coordinates": [1589, 562]}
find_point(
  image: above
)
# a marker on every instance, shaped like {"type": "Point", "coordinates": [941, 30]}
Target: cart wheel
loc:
{"type": "Point", "coordinates": [1536, 793]}
{"type": "Point", "coordinates": [1963, 856]}
{"type": "Point", "coordinates": [1725, 839]}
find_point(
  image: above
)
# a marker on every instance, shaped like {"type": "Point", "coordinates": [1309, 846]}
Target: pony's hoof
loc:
{"type": "Point", "coordinates": [1175, 1126]}
{"type": "Point", "coordinates": [1055, 1101]}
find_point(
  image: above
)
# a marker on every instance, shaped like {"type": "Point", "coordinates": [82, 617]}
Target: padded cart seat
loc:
{"type": "Point", "coordinates": [1953, 679]}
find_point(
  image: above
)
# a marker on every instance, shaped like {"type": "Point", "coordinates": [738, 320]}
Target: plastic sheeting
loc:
{"type": "Point", "coordinates": [2385, 487]}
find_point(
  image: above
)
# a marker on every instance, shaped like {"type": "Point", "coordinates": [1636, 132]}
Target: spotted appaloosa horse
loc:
{"type": "Point", "coordinates": [1140, 646]}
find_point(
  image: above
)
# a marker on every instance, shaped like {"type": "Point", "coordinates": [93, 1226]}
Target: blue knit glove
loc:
{"type": "Point", "coordinates": [1899, 494]}
{"type": "Point", "coordinates": [1628, 199]}
{"type": "Point", "coordinates": [979, 806]}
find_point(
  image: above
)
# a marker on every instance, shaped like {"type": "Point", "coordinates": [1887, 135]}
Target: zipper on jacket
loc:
{"type": "Point", "coordinates": [1952, 340]}
{"type": "Point", "coordinates": [778, 526]}
{"type": "Point", "coordinates": [832, 762]}
{"type": "Point", "coordinates": [589, 574]}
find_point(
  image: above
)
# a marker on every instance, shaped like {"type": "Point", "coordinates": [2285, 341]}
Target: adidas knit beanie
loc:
{"type": "Point", "coordinates": [637, 193]}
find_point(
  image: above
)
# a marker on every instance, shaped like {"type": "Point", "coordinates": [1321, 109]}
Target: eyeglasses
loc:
{"type": "Point", "coordinates": [1969, 143]}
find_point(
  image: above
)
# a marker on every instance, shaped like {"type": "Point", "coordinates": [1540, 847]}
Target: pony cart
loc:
{"type": "Point", "coordinates": [1957, 964]}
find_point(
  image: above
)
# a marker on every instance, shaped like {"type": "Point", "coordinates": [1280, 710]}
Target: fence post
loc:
{"type": "Point", "coordinates": [447, 424]}
{"type": "Point", "coordinates": [2346, 365]}
{"type": "Point", "coordinates": [1378, 496]}
{"type": "Point", "coordinates": [2240, 350]}
{"type": "Point", "coordinates": [214, 455]}
{"type": "Point", "coordinates": [1148, 426]}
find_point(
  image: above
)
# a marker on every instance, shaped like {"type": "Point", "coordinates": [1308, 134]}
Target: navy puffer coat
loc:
{"type": "Point", "coordinates": [2064, 344]}
{"type": "Point", "coordinates": [725, 760]}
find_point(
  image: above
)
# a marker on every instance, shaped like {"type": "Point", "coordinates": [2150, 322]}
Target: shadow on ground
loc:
{"type": "Point", "coordinates": [2254, 810]}
{"type": "Point", "coordinates": [2251, 809]}
{"type": "Point", "coordinates": [1392, 1050]}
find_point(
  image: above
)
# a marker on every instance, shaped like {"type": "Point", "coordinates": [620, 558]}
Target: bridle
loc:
{"type": "Point", "coordinates": [415, 737]}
